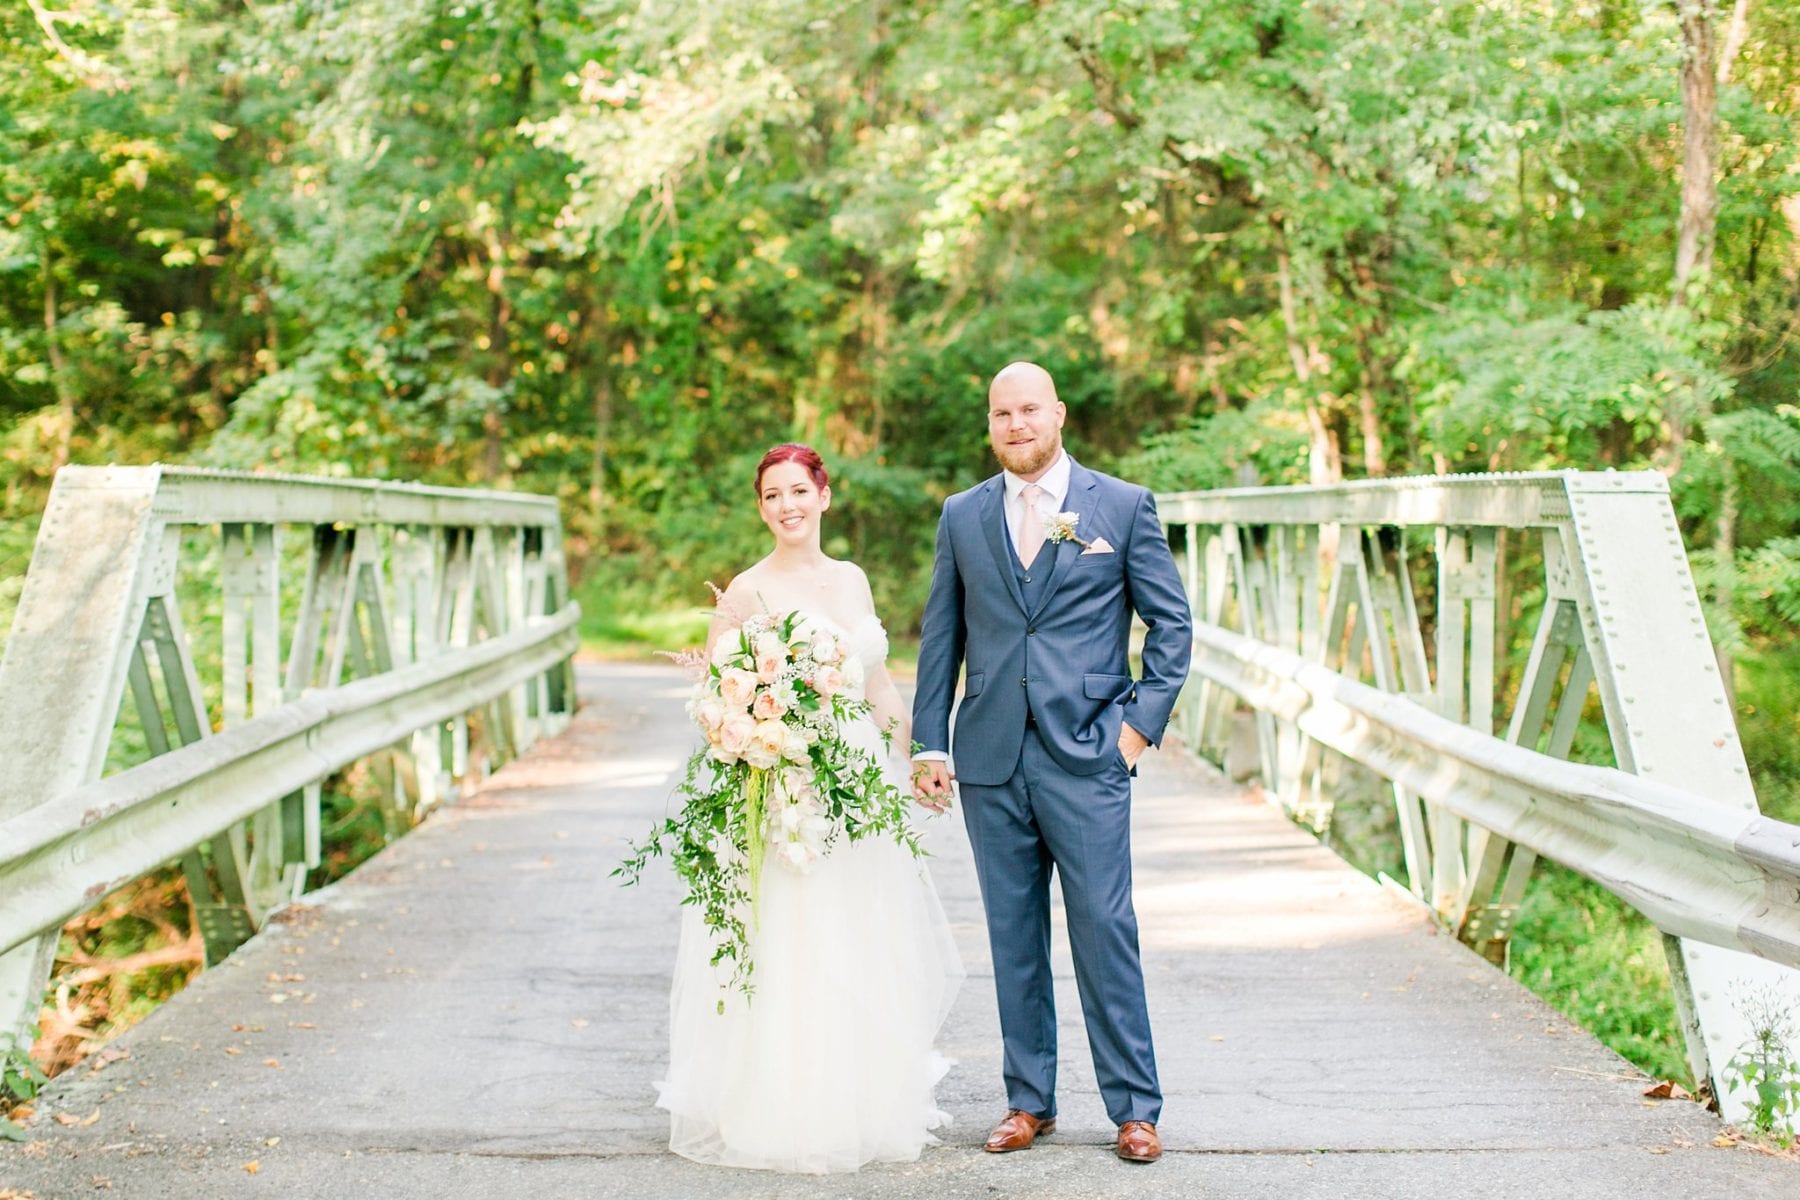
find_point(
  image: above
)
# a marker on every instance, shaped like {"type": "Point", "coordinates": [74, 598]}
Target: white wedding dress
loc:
{"type": "Point", "coordinates": [831, 1064]}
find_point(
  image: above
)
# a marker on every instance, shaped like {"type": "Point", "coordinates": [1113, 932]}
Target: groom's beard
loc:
{"type": "Point", "coordinates": [1027, 460]}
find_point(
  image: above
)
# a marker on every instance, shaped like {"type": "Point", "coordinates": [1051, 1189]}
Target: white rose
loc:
{"type": "Point", "coordinates": [708, 712]}
{"type": "Point", "coordinates": [727, 648]}
{"type": "Point", "coordinates": [814, 829]}
{"type": "Point", "coordinates": [794, 746]}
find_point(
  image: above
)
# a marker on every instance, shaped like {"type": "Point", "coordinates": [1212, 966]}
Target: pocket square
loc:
{"type": "Point", "coordinates": [1099, 546]}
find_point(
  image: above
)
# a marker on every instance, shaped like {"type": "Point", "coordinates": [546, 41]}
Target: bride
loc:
{"type": "Point", "coordinates": [832, 1064]}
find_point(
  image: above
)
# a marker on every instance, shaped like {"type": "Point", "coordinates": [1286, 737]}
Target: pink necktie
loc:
{"type": "Point", "coordinates": [1031, 525]}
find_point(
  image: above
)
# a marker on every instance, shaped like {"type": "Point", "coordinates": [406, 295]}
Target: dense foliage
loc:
{"type": "Point", "coordinates": [613, 250]}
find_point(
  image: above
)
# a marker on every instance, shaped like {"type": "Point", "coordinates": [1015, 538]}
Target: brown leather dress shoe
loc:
{"type": "Point", "coordinates": [1018, 1131]}
{"type": "Point", "coordinates": [1138, 1142]}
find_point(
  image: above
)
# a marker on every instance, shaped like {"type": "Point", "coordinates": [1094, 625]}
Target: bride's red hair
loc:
{"type": "Point", "coordinates": [794, 452]}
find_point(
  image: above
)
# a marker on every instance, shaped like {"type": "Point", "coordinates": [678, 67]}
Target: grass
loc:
{"type": "Point", "coordinates": [1600, 963]}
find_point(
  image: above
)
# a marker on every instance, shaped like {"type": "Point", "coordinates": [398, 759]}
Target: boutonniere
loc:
{"type": "Point", "coordinates": [1061, 528]}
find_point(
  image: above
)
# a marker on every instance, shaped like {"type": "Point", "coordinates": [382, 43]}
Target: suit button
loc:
{"type": "Point", "coordinates": [1031, 633]}
{"type": "Point", "coordinates": [1024, 682]}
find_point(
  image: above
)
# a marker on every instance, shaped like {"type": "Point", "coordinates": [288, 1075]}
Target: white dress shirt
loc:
{"type": "Point", "coordinates": [1055, 483]}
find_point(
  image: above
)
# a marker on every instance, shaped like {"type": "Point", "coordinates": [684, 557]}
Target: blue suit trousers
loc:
{"type": "Point", "coordinates": [1044, 819]}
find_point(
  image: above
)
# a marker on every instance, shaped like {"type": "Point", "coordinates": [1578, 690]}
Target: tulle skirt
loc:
{"type": "Point", "coordinates": [831, 1063]}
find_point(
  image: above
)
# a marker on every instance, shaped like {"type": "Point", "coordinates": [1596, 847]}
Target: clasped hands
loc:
{"type": "Point", "coordinates": [932, 779]}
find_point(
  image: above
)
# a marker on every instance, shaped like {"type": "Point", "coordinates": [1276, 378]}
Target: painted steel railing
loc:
{"type": "Point", "coordinates": [1371, 621]}
{"type": "Point", "coordinates": [425, 630]}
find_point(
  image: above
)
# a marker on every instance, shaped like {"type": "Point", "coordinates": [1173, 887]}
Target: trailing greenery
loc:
{"type": "Point", "coordinates": [610, 252]}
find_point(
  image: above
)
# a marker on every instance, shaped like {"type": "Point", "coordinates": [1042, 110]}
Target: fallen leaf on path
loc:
{"type": "Point", "coordinates": [1667, 1089]}
{"type": "Point", "coordinates": [1724, 1141]}
{"type": "Point", "coordinates": [253, 1166]}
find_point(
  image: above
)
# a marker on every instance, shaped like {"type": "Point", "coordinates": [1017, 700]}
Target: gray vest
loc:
{"type": "Point", "coordinates": [1031, 584]}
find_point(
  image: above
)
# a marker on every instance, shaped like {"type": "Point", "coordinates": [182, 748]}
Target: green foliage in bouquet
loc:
{"type": "Point", "coordinates": [776, 777]}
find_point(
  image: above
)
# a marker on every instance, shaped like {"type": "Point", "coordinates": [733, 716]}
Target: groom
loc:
{"type": "Point", "coordinates": [1037, 573]}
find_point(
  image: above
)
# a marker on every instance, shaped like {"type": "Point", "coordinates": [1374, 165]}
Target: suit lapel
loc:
{"type": "Point", "coordinates": [1080, 501]}
{"type": "Point", "coordinates": [993, 522]}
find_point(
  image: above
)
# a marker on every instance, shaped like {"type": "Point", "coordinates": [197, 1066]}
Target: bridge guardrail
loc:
{"type": "Point", "coordinates": [431, 630]}
{"type": "Point", "coordinates": [1324, 609]}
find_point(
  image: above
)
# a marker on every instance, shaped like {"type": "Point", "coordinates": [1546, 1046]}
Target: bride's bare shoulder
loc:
{"type": "Point", "coordinates": [739, 597]}
{"type": "Point", "coordinates": [855, 581]}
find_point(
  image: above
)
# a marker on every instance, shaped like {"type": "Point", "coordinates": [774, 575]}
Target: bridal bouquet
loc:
{"type": "Point", "coordinates": [776, 777]}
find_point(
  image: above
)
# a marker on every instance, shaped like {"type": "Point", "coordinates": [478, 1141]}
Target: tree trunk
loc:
{"type": "Point", "coordinates": [1699, 113]}
{"type": "Point", "coordinates": [1725, 579]}
{"type": "Point", "coordinates": [500, 242]}
{"type": "Point", "coordinates": [59, 379]}
{"type": "Point", "coordinates": [1324, 460]}
{"type": "Point", "coordinates": [493, 422]}
{"type": "Point", "coordinates": [1735, 33]}
{"type": "Point", "coordinates": [603, 419]}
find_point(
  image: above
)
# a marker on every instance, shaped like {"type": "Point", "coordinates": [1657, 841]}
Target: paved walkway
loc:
{"type": "Point", "coordinates": [479, 1011]}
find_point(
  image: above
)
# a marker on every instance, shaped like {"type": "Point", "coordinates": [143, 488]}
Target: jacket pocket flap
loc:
{"type": "Point", "coordinates": [1107, 687]}
{"type": "Point", "coordinates": [972, 685]}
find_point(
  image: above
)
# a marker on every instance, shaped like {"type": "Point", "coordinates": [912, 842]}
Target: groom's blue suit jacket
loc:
{"type": "Point", "coordinates": [1067, 661]}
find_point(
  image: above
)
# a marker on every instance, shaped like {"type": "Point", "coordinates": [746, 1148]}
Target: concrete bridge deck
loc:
{"type": "Point", "coordinates": [479, 1011]}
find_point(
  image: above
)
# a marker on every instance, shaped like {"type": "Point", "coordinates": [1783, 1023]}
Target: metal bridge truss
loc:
{"type": "Point", "coordinates": [1366, 620]}
{"type": "Point", "coordinates": [195, 651]}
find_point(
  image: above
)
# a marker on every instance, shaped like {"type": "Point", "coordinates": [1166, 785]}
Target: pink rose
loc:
{"type": "Point", "coordinates": [759, 753]}
{"type": "Point", "coordinates": [737, 688]}
{"type": "Point", "coordinates": [769, 737]}
{"type": "Point", "coordinates": [768, 665]}
{"type": "Point", "coordinates": [735, 733]}
{"type": "Point", "coordinates": [828, 681]}
{"type": "Point", "coordinates": [767, 707]}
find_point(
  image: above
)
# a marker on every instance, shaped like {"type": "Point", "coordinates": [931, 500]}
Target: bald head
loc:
{"type": "Point", "coordinates": [1024, 378]}
{"type": "Point", "coordinates": [1025, 419]}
